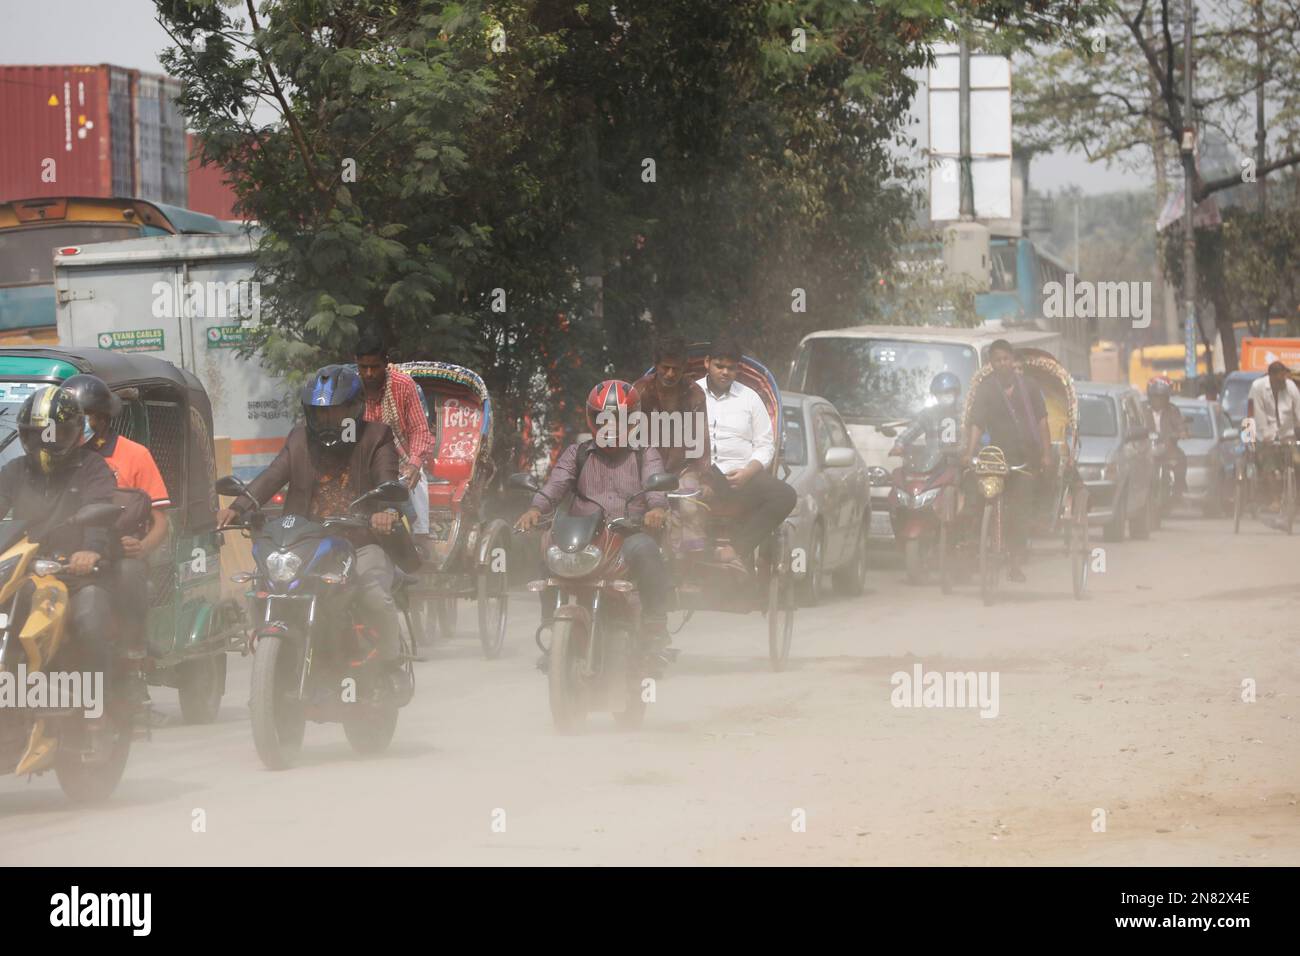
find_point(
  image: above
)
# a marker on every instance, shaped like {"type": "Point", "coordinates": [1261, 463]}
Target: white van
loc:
{"type": "Point", "coordinates": [877, 376]}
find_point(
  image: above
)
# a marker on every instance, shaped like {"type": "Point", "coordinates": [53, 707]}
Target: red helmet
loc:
{"type": "Point", "coordinates": [1160, 385]}
{"type": "Point", "coordinates": [609, 396]}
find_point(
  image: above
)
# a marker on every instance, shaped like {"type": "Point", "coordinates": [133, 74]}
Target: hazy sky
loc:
{"type": "Point", "coordinates": [124, 33]}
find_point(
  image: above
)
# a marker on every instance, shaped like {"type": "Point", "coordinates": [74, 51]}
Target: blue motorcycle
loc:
{"type": "Point", "coordinates": [314, 657]}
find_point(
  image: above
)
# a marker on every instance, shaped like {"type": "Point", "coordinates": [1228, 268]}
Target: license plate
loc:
{"type": "Point", "coordinates": [881, 525]}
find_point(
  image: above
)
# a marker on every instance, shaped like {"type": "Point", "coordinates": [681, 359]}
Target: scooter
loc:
{"type": "Point", "coordinates": [923, 507]}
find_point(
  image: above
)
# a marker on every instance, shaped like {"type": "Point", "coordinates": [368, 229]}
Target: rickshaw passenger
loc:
{"type": "Point", "coordinates": [667, 390]}
{"type": "Point", "coordinates": [393, 397]}
{"type": "Point", "coordinates": [741, 449]}
{"type": "Point", "coordinates": [325, 474]}
{"type": "Point", "coordinates": [133, 466]}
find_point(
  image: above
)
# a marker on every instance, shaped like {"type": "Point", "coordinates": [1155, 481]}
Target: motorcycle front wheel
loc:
{"type": "Point", "coordinates": [274, 711]}
{"type": "Point", "coordinates": [90, 782]}
{"type": "Point", "coordinates": [564, 683]}
{"type": "Point", "coordinates": [990, 544]}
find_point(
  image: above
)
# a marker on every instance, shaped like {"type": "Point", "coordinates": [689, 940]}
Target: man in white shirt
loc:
{"type": "Point", "coordinates": [742, 446]}
{"type": "Point", "coordinates": [1274, 403]}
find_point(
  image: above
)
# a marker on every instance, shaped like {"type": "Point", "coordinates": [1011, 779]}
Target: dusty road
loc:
{"type": "Point", "coordinates": [1129, 703]}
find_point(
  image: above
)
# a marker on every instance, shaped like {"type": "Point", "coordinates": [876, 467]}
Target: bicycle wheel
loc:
{"type": "Point", "coordinates": [1288, 499]}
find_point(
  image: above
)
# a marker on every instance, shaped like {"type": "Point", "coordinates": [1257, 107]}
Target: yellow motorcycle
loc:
{"type": "Point", "coordinates": [45, 711]}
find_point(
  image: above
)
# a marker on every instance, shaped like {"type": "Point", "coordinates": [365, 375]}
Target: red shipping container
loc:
{"type": "Point", "coordinates": [208, 190]}
{"type": "Point", "coordinates": [90, 131]}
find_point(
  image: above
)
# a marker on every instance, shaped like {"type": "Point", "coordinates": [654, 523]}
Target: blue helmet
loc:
{"type": "Point", "coordinates": [334, 395]}
{"type": "Point", "coordinates": [945, 382]}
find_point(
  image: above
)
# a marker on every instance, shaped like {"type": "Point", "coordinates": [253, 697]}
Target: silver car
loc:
{"type": "Point", "coordinates": [832, 516]}
{"type": "Point", "coordinates": [1115, 458]}
{"type": "Point", "coordinates": [1209, 449]}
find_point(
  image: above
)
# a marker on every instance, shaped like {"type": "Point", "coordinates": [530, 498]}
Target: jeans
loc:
{"type": "Point", "coordinates": [765, 502]}
{"type": "Point", "coordinates": [375, 576]}
{"type": "Point", "coordinates": [91, 608]}
{"type": "Point", "coordinates": [130, 590]}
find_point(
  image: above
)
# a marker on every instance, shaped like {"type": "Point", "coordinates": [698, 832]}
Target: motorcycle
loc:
{"type": "Point", "coordinates": [35, 635]}
{"type": "Point", "coordinates": [313, 657]}
{"type": "Point", "coordinates": [594, 661]}
{"type": "Point", "coordinates": [923, 508]}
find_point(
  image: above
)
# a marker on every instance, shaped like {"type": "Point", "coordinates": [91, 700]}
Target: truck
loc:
{"type": "Point", "coordinates": [193, 300]}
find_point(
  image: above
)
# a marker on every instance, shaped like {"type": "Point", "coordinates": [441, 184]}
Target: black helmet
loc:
{"type": "Point", "coordinates": [51, 426]}
{"type": "Point", "coordinates": [95, 396]}
{"type": "Point", "coordinates": [333, 387]}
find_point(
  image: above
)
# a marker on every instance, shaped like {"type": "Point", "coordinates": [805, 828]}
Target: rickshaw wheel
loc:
{"type": "Point", "coordinates": [989, 548]}
{"type": "Point", "coordinates": [446, 609]}
{"type": "Point", "coordinates": [200, 684]}
{"type": "Point", "coordinates": [780, 603]}
{"type": "Point", "coordinates": [493, 605]}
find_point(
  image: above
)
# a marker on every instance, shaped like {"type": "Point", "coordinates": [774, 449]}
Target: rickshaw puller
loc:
{"type": "Point", "coordinates": [393, 397]}
{"type": "Point", "coordinates": [325, 472]}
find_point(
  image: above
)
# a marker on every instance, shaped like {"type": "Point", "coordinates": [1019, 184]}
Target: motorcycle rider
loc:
{"type": "Point", "coordinates": [330, 460]}
{"type": "Point", "coordinates": [56, 477]}
{"type": "Point", "coordinates": [132, 466]}
{"type": "Point", "coordinates": [1170, 427]}
{"type": "Point", "coordinates": [938, 422]}
{"type": "Point", "coordinates": [605, 473]}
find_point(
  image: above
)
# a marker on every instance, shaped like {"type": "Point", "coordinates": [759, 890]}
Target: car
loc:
{"type": "Point", "coordinates": [1236, 389]}
{"type": "Point", "coordinates": [1115, 458]}
{"type": "Point", "coordinates": [832, 515]}
{"type": "Point", "coordinates": [1210, 447]}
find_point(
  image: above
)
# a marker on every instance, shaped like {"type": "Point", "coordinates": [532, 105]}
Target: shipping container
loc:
{"type": "Point", "coordinates": [91, 131]}
{"type": "Point", "coordinates": [209, 192]}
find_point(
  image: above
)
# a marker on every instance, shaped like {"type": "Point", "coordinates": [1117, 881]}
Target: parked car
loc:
{"type": "Point", "coordinates": [1210, 447]}
{"type": "Point", "coordinates": [1115, 458]}
{"type": "Point", "coordinates": [832, 518]}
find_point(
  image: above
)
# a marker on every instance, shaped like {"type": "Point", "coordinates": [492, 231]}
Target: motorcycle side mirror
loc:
{"type": "Point", "coordinates": [97, 516]}
{"type": "Point", "coordinates": [839, 457]}
{"type": "Point", "coordinates": [231, 487]}
{"type": "Point", "coordinates": [391, 492]}
{"type": "Point", "coordinates": [664, 481]}
{"type": "Point", "coordinates": [523, 481]}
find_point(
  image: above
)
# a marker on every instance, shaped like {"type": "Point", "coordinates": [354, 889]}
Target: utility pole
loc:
{"type": "Point", "coordinates": [1260, 135]}
{"type": "Point", "coordinates": [1189, 195]}
{"type": "Point", "coordinates": [967, 208]}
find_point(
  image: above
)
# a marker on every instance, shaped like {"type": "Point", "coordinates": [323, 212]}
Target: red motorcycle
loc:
{"type": "Point", "coordinates": [594, 661]}
{"type": "Point", "coordinates": [923, 509]}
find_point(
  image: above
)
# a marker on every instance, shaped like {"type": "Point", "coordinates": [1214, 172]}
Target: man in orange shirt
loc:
{"type": "Point", "coordinates": [134, 467]}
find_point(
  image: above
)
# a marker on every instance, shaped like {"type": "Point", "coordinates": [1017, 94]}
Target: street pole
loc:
{"type": "Point", "coordinates": [1189, 197]}
{"type": "Point", "coordinates": [967, 208]}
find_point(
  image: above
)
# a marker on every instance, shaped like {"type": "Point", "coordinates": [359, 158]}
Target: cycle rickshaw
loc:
{"type": "Point", "coordinates": [702, 585]}
{"type": "Point", "coordinates": [468, 559]}
{"type": "Point", "coordinates": [1063, 503]}
{"type": "Point", "coordinates": [190, 625]}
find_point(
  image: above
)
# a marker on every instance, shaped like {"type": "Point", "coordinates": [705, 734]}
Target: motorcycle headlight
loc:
{"type": "Point", "coordinates": [991, 486]}
{"type": "Point", "coordinates": [925, 497]}
{"type": "Point", "coordinates": [572, 565]}
{"type": "Point", "coordinates": [7, 568]}
{"type": "Point", "coordinates": [282, 566]}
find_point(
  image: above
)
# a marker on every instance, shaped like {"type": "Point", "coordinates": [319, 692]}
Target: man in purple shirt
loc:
{"type": "Point", "coordinates": [604, 475]}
